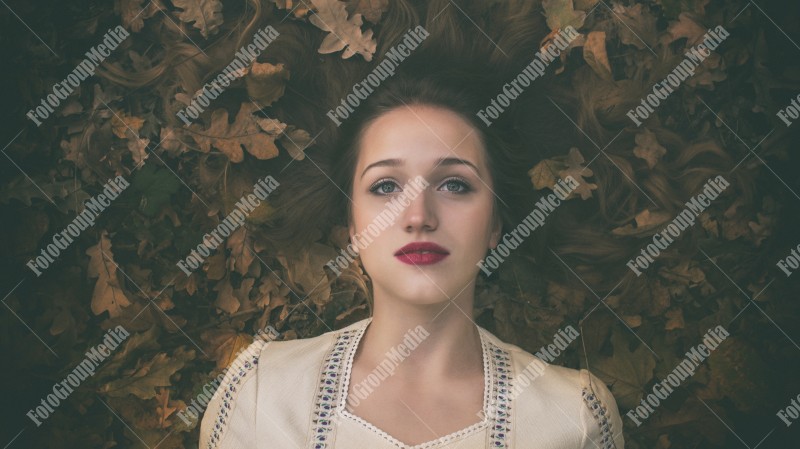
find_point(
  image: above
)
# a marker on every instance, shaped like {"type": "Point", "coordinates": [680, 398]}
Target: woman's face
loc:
{"type": "Point", "coordinates": [454, 211]}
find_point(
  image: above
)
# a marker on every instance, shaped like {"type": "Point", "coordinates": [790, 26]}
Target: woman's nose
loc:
{"type": "Point", "coordinates": [421, 212]}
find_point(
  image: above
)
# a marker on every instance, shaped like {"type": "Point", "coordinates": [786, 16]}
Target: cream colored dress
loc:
{"type": "Point", "coordinates": [291, 395]}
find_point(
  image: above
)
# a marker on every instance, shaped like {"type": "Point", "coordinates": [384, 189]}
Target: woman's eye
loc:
{"type": "Point", "coordinates": [386, 187]}
{"type": "Point", "coordinates": [380, 188]}
{"type": "Point", "coordinates": [454, 184]}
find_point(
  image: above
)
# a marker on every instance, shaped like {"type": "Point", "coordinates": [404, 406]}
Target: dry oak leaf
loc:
{"type": "Point", "coordinates": [129, 12]}
{"type": "Point", "coordinates": [305, 268]}
{"type": "Point", "coordinates": [242, 256]}
{"type": "Point", "coordinates": [648, 148]}
{"type": "Point", "coordinates": [627, 371]}
{"type": "Point", "coordinates": [674, 319]}
{"type": "Point", "coordinates": [272, 293]}
{"type": "Point", "coordinates": [343, 33]}
{"type": "Point", "coordinates": [761, 229]}
{"type": "Point", "coordinates": [709, 72]}
{"type": "Point", "coordinates": [224, 345]}
{"type": "Point", "coordinates": [574, 169]}
{"type": "Point", "coordinates": [734, 223]}
{"type": "Point", "coordinates": [636, 26]}
{"type": "Point", "coordinates": [108, 294]}
{"type": "Point", "coordinates": [709, 224]}
{"type": "Point", "coordinates": [298, 8]}
{"type": "Point", "coordinates": [544, 174]}
{"type": "Point", "coordinates": [687, 272]}
{"type": "Point", "coordinates": [138, 148]}
{"type": "Point", "coordinates": [594, 53]}
{"type": "Point", "coordinates": [136, 343]}
{"type": "Point", "coordinates": [687, 27]}
{"type": "Point", "coordinates": [206, 14]}
{"type": "Point", "coordinates": [632, 320]}
{"type": "Point", "coordinates": [243, 294]}
{"type": "Point", "coordinates": [645, 221]}
{"type": "Point", "coordinates": [293, 139]}
{"type": "Point", "coordinates": [560, 13]}
{"type": "Point", "coordinates": [231, 137]}
{"type": "Point", "coordinates": [132, 13]}
{"type": "Point", "coordinates": [166, 407]}
{"type": "Point", "coordinates": [370, 9]}
{"type": "Point", "coordinates": [585, 5]}
{"type": "Point", "coordinates": [266, 82]}
{"type": "Point", "coordinates": [122, 124]}
{"type": "Point", "coordinates": [172, 142]}
{"type": "Point", "coordinates": [226, 298]}
{"type": "Point", "coordinates": [23, 190]}
{"type": "Point", "coordinates": [146, 376]}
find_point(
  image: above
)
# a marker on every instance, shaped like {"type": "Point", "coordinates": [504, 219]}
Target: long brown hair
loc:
{"type": "Point", "coordinates": [466, 59]}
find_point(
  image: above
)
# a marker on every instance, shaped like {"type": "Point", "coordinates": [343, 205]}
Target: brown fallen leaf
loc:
{"type": "Point", "coordinates": [138, 149]}
{"type": "Point", "coordinates": [306, 269]}
{"type": "Point", "coordinates": [166, 407]}
{"type": "Point", "coordinates": [295, 141]}
{"type": "Point", "coordinates": [224, 345]}
{"type": "Point", "coordinates": [147, 375]}
{"type": "Point", "coordinates": [648, 148]}
{"type": "Point", "coordinates": [370, 9]}
{"type": "Point", "coordinates": [298, 8]}
{"type": "Point", "coordinates": [133, 14]}
{"type": "Point", "coordinates": [343, 33]}
{"type": "Point", "coordinates": [560, 13]}
{"type": "Point", "coordinates": [545, 173]}
{"type": "Point", "coordinates": [241, 256]}
{"type": "Point", "coordinates": [226, 297]}
{"type": "Point", "coordinates": [635, 25]}
{"type": "Point", "coordinates": [626, 371]}
{"type": "Point", "coordinates": [122, 124]}
{"type": "Point", "coordinates": [108, 294]}
{"type": "Point", "coordinates": [205, 14]}
{"type": "Point", "coordinates": [231, 137]}
{"type": "Point", "coordinates": [574, 168]}
{"type": "Point", "coordinates": [687, 27]}
{"type": "Point", "coordinates": [674, 319]}
{"type": "Point", "coordinates": [266, 82]}
{"type": "Point", "coordinates": [646, 221]}
{"type": "Point", "coordinates": [594, 53]}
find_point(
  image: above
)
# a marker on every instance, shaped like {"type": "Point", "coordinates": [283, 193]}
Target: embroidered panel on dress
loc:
{"type": "Point", "coordinates": [328, 391]}
{"type": "Point", "coordinates": [330, 385]}
{"type": "Point", "coordinates": [228, 393]}
{"type": "Point", "coordinates": [600, 413]}
{"type": "Point", "coordinates": [500, 406]}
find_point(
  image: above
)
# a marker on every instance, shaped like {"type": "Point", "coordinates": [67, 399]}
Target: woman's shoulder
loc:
{"type": "Point", "coordinates": [545, 391]}
{"type": "Point", "coordinates": [290, 354]}
{"type": "Point", "coordinates": [231, 412]}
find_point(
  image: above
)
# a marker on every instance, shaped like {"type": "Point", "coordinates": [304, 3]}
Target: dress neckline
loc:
{"type": "Point", "coordinates": [488, 387]}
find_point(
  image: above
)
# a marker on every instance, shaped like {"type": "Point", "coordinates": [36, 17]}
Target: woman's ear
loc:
{"type": "Point", "coordinates": [351, 231]}
{"type": "Point", "coordinates": [497, 228]}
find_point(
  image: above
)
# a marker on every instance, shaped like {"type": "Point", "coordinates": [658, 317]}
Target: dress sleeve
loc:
{"type": "Point", "coordinates": [601, 421]}
{"type": "Point", "coordinates": [229, 420]}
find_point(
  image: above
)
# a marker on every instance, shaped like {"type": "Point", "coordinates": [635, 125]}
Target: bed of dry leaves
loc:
{"type": "Point", "coordinates": [186, 329]}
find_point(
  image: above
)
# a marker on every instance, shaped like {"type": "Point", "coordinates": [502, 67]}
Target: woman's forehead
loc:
{"type": "Point", "coordinates": [420, 134]}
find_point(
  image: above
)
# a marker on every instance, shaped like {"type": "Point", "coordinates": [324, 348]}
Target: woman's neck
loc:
{"type": "Point", "coordinates": [442, 339]}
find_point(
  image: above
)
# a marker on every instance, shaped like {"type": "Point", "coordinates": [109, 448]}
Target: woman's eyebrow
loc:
{"type": "Point", "coordinates": [442, 161]}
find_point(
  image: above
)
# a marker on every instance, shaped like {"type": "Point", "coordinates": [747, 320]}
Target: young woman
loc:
{"type": "Point", "coordinates": [418, 373]}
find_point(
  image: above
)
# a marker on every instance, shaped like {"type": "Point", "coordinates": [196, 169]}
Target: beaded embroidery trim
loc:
{"type": "Point", "coordinates": [601, 416]}
{"type": "Point", "coordinates": [497, 369]}
{"type": "Point", "coordinates": [327, 390]}
{"type": "Point", "coordinates": [228, 398]}
{"type": "Point", "coordinates": [501, 423]}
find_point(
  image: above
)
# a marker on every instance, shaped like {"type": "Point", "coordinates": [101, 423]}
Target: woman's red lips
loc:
{"type": "Point", "coordinates": [421, 253]}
